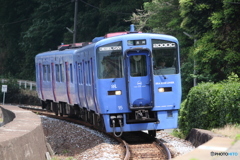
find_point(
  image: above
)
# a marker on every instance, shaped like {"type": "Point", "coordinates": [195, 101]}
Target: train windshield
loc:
{"type": "Point", "coordinates": [165, 57]}
{"type": "Point", "coordinates": [110, 61]}
{"type": "Point", "coordinates": [138, 65]}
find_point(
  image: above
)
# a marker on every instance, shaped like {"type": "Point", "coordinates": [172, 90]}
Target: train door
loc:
{"type": "Point", "coordinates": [77, 70]}
{"type": "Point", "coordinates": [93, 86]}
{"type": "Point", "coordinates": [67, 82]}
{"type": "Point", "coordinates": [85, 82]}
{"type": "Point", "coordinates": [139, 79]}
{"type": "Point", "coordinates": [53, 82]}
{"type": "Point", "coordinates": [82, 84]}
{"type": "Point", "coordinates": [90, 89]}
{"type": "Point", "coordinates": [40, 80]}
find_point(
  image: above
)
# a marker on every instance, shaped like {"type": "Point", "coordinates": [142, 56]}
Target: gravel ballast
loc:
{"type": "Point", "coordinates": [81, 143]}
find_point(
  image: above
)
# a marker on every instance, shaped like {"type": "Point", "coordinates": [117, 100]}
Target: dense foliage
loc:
{"type": "Point", "coordinates": [211, 105]}
{"type": "Point", "coordinates": [33, 26]}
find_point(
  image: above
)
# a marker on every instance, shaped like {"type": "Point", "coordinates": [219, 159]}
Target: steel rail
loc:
{"type": "Point", "coordinates": [167, 151]}
{"type": "Point", "coordinates": [127, 154]}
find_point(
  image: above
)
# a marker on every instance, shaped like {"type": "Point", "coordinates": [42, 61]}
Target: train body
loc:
{"type": "Point", "coordinates": [116, 83]}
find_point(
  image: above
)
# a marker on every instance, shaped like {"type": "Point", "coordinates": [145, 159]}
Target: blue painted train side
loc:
{"type": "Point", "coordinates": [124, 83]}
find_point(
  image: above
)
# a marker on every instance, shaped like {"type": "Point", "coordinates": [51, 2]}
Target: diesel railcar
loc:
{"type": "Point", "coordinates": [122, 82]}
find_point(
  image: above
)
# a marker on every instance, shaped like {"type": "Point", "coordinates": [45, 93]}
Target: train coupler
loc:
{"type": "Point", "coordinates": [141, 114]}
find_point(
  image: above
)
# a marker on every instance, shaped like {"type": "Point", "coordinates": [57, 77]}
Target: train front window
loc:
{"type": "Point", "coordinates": [165, 57]}
{"type": "Point", "coordinates": [110, 61]}
{"type": "Point", "coordinates": [138, 66]}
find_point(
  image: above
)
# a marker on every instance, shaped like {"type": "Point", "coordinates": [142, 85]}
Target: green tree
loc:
{"type": "Point", "coordinates": [158, 16]}
{"type": "Point", "coordinates": [214, 24]}
{"type": "Point", "coordinates": [49, 22]}
{"type": "Point", "coordinates": [13, 16]}
{"type": "Point", "coordinates": [96, 18]}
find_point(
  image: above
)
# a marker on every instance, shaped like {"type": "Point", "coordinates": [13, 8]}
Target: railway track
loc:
{"type": "Point", "coordinates": [137, 145]}
{"type": "Point", "coordinates": [143, 146]}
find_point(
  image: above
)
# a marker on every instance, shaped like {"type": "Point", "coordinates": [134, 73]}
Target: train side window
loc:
{"type": "Point", "coordinates": [84, 68]}
{"type": "Point", "coordinates": [61, 72]}
{"type": "Point", "coordinates": [57, 72]}
{"type": "Point", "coordinates": [71, 73]}
{"type": "Point", "coordinates": [44, 73]}
{"type": "Point", "coordinates": [86, 73]}
{"type": "Point", "coordinates": [83, 73]}
{"type": "Point", "coordinates": [89, 73]}
{"type": "Point", "coordinates": [80, 72]}
{"type": "Point", "coordinates": [39, 72]}
{"type": "Point", "coordinates": [48, 73]}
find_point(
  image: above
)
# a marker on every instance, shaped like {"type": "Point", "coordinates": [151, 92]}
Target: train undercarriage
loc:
{"type": "Point", "coordinates": [116, 120]}
{"type": "Point", "coordinates": [74, 111]}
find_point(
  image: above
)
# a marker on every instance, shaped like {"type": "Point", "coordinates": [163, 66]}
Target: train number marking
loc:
{"type": "Point", "coordinates": [164, 45]}
{"type": "Point", "coordinates": [120, 107]}
{"type": "Point", "coordinates": [113, 86]}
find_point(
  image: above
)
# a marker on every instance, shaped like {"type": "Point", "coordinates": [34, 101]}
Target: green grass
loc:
{"type": "Point", "coordinates": [231, 131]}
{"type": "Point", "coordinates": [178, 133]}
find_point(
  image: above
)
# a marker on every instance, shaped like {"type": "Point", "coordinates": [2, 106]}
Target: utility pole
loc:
{"type": "Point", "coordinates": [194, 60]}
{"type": "Point", "coordinates": [75, 22]}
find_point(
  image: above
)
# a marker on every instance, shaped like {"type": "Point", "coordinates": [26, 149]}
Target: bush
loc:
{"type": "Point", "coordinates": [15, 95]}
{"type": "Point", "coordinates": [28, 97]}
{"type": "Point", "coordinates": [210, 105]}
{"type": "Point", "coordinates": [12, 91]}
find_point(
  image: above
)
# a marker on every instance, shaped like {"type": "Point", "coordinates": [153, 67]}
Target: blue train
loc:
{"type": "Point", "coordinates": [122, 82]}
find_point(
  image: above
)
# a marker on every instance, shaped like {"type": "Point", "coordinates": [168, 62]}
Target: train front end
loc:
{"type": "Point", "coordinates": [138, 82]}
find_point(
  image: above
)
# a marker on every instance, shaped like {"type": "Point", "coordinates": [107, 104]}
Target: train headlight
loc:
{"type": "Point", "coordinates": [118, 92]}
{"type": "Point", "coordinates": [114, 92]}
{"type": "Point", "coordinates": [160, 89]}
{"type": "Point", "coordinates": [165, 89]}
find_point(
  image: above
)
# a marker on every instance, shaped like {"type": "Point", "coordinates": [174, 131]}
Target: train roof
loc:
{"type": "Point", "coordinates": [134, 36]}
{"type": "Point", "coordinates": [70, 51]}
{"type": "Point", "coordinates": [108, 38]}
{"type": "Point", "coordinates": [55, 52]}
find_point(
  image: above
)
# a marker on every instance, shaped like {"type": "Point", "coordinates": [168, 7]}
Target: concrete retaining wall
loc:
{"type": "Point", "coordinates": [200, 136]}
{"type": "Point", "coordinates": [8, 116]}
{"type": "Point", "coordinates": [21, 136]}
